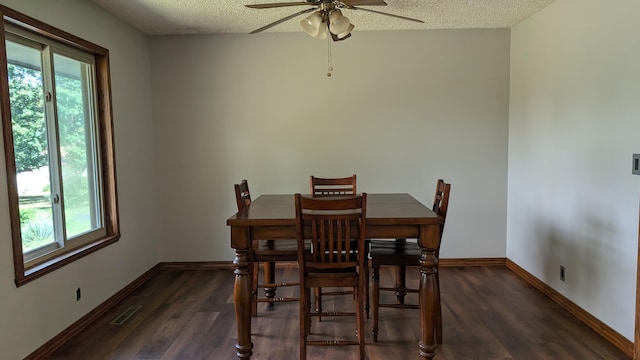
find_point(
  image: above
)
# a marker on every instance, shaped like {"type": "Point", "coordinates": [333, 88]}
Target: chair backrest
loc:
{"type": "Point", "coordinates": [243, 196]}
{"type": "Point", "coordinates": [333, 186]}
{"type": "Point", "coordinates": [441, 201]}
{"type": "Point", "coordinates": [331, 225]}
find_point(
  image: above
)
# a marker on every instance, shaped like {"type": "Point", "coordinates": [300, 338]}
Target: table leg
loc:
{"type": "Point", "coordinates": [429, 242]}
{"type": "Point", "coordinates": [242, 292]}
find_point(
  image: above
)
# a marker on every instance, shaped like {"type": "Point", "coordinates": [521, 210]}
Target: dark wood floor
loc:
{"type": "Point", "coordinates": [488, 313]}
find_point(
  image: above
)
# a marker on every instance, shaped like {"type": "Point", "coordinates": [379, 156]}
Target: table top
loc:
{"type": "Point", "coordinates": [382, 209]}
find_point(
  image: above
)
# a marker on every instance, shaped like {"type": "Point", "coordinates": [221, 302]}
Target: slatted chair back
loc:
{"type": "Point", "coordinates": [243, 196]}
{"type": "Point", "coordinates": [322, 187]}
{"type": "Point", "coordinates": [331, 225]}
{"type": "Point", "coordinates": [441, 201]}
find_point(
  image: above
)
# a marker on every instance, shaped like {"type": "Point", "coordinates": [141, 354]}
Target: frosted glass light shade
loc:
{"type": "Point", "coordinates": [312, 24]}
{"type": "Point", "coordinates": [339, 24]}
{"type": "Point", "coordinates": [345, 33]}
{"type": "Point", "coordinates": [322, 31]}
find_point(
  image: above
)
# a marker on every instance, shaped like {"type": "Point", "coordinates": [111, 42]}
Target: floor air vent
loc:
{"type": "Point", "coordinates": [122, 318]}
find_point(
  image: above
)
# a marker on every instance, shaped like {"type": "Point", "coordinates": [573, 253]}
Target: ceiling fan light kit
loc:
{"type": "Point", "coordinates": [317, 23]}
{"type": "Point", "coordinates": [326, 19]}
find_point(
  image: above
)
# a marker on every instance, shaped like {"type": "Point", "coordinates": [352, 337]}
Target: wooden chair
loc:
{"type": "Point", "coordinates": [336, 228]}
{"type": "Point", "coordinates": [267, 252]}
{"type": "Point", "coordinates": [332, 187]}
{"type": "Point", "coordinates": [401, 254]}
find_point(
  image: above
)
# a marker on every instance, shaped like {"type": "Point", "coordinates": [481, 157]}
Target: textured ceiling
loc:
{"type": "Point", "coordinates": [160, 17]}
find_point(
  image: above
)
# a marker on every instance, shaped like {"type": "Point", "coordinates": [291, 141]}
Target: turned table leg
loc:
{"type": "Point", "coordinates": [242, 291]}
{"type": "Point", "coordinates": [429, 242]}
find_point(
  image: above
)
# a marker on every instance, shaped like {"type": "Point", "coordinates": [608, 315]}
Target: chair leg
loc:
{"type": "Point", "coordinates": [304, 327]}
{"type": "Point", "coordinates": [438, 314]}
{"type": "Point", "coordinates": [318, 301]}
{"type": "Point", "coordinates": [270, 278]}
{"type": "Point", "coordinates": [366, 274]}
{"type": "Point", "coordinates": [308, 307]}
{"type": "Point", "coordinates": [401, 276]}
{"type": "Point", "coordinates": [254, 288]}
{"type": "Point", "coordinates": [360, 319]}
{"type": "Point", "coordinates": [366, 290]}
{"type": "Point", "coordinates": [375, 300]}
{"type": "Point", "coordinates": [401, 284]}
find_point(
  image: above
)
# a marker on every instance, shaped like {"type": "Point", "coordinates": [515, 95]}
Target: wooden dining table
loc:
{"type": "Point", "coordinates": [389, 216]}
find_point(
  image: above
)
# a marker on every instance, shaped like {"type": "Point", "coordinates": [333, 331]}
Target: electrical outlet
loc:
{"type": "Point", "coordinates": [78, 294]}
{"type": "Point", "coordinates": [562, 272]}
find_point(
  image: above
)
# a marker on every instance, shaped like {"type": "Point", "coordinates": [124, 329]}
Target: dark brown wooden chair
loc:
{"type": "Point", "coordinates": [336, 228]}
{"type": "Point", "coordinates": [332, 187]}
{"type": "Point", "coordinates": [267, 252]}
{"type": "Point", "coordinates": [401, 254]}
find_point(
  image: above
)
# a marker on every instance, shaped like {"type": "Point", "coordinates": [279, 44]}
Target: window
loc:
{"type": "Point", "coordinates": [56, 119]}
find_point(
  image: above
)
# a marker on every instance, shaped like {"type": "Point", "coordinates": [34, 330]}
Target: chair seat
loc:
{"type": "Point", "coordinates": [277, 250]}
{"type": "Point", "coordinates": [386, 252]}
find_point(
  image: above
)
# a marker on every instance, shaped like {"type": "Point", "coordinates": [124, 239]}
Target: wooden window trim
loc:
{"type": "Point", "coordinates": [106, 139]}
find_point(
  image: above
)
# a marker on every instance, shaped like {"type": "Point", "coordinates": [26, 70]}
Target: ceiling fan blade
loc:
{"type": "Point", "coordinates": [282, 20]}
{"type": "Point", "coordinates": [387, 14]}
{"type": "Point", "coordinates": [364, 2]}
{"type": "Point", "coordinates": [281, 4]}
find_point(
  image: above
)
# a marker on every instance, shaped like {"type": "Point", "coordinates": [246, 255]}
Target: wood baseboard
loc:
{"type": "Point", "coordinates": [194, 265]}
{"type": "Point", "coordinates": [605, 331]}
{"type": "Point", "coordinates": [591, 321]}
{"type": "Point", "coordinates": [472, 262]}
{"type": "Point", "coordinates": [442, 262]}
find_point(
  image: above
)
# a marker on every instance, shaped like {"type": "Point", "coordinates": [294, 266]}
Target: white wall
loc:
{"type": "Point", "coordinates": [574, 125]}
{"type": "Point", "coordinates": [401, 110]}
{"type": "Point", "coordinates": [39, 310]}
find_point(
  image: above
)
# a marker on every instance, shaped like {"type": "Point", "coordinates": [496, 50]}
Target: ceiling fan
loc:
{"type": "Point", "coordinates": [326, 19]}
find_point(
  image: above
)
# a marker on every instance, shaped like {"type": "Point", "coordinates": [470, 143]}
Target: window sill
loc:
{"type": "Point", "coordinates": [62, 260]}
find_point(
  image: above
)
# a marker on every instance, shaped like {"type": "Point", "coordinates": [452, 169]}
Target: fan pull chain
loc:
{"type": "Point", "coordinates": [329, 65]}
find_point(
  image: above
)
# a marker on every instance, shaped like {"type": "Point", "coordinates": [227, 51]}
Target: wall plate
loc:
{"type": "Point", "coordinates": [635, 167]}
